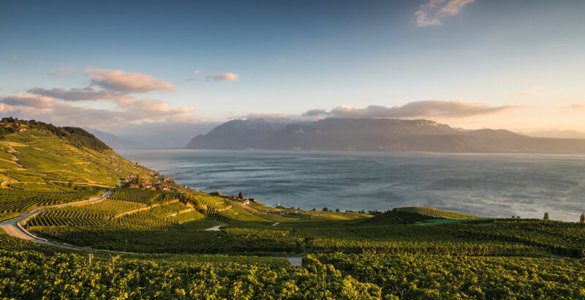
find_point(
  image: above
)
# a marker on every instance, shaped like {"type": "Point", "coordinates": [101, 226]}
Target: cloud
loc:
{"type": "Point", "coordinates": [127, 82]}
{"type": "Point", "coordinates": [139, 111]}
{"type": "Point", "coordinates": [28, 100]}
{"type": "Point", "coordinates": [315, 113]}
{"type": "Point", "coordinates": [224, 77]}
{"type": "Point", "coordinates": [432, 12]}
{"type": "Point", "coordinates": [76, 94]}
{"type": "Point", "coordinates": [530, 92]}
{"type": "Point", "coordinates": [419, 109]}
{"type": "Point", "coordinates": [54, 105]}
{"type": "Point", "coordinates": [577, 106]}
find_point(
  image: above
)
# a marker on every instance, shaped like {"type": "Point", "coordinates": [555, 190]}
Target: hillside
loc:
{"type": "Point", "coordinates": [384, 135]}
{"type": "Point", "coordinates": [38, 155]}
{"type": "Point", "coordinates": [115, 141]}
{"type": "Point", "coordinates": [151, 238]}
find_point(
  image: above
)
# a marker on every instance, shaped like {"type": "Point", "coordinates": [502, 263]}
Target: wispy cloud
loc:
{"type": "Point", "coordinates": [76, 94]}
{"type": "Point", "coordinates": [224, 77]}
{"type": "Point", "coordinates": [116, 86]}
{"type": "Point", "coordinates": [127, 82]}
{"type": "Point", "coordinates": [28, 100]}
{"type": "Point", "coordinates": [530, 92]}
{"type": "Point", "coordinates": [419, 109]}
{"type": "Point", "coordinates": [432, 12]}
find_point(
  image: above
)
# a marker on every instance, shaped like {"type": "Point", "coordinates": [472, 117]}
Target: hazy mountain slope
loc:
{"type": "Point", "coordinates": [238, 134]}
{"type": "Point", "coordinates": [115, 141]}
{"type": "Point", "coordinates": [37, 154]}
{"type": "Point", "coordinates": [390, 135]}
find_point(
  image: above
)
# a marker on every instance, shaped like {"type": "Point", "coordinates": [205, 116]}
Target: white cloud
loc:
{"type": "Point", "coordinates": [116, 86]}
{"type": "Point", "coordinates": [432, 12]}
{"type": "Point", "coordinates": [76, 94]}
{"type": "Point", "coordinates": [28, 100]}
{"type": "Point", "coordinates": [224, 77]}
{"type": "Point", "coordinates": [127, 82]}
{"type": "Point", "coordinates": [419, 109]}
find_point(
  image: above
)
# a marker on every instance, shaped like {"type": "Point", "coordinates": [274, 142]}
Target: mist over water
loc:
{"type": "Point", "coordinates": [485, 185]}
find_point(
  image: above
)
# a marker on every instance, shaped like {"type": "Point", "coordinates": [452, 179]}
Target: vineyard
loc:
{"type": "Point", "coordinates": [323, 276]}
{"type": "Point", "coordinates": [399, 254]}
{"type": "Point", "coordinates": [148, 197]}
{"type": "Point", "coordinates": [14, 201]}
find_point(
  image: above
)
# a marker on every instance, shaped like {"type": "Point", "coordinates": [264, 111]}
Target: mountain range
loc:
{"type": "Point", "coordinates": [382, 135]}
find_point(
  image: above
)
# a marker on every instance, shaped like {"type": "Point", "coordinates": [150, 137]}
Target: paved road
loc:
{"type": "Point", "coordinates": [13, 227]}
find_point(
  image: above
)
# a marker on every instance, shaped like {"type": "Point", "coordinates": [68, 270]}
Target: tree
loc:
{"type": "Point", "coordinates": [546, 216]}
{"type": "Point", "coordinates": [325, 209]}
{"type": "Point", "coordinates": [583, 217]}
{"type": "Point", "coordinates": [240, 196]}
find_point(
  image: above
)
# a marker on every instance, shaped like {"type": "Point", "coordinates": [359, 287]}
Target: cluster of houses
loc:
{"type": "Point", "coordinates": [158, 183]}
{"type": "Point", "coordinates": [239, 197]}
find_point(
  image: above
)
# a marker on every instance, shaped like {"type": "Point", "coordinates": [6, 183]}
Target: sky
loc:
{"type": "Point", "coordinates": [114, 65]}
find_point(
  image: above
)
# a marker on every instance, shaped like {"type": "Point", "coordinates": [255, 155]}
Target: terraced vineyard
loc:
{"type": "Point", "coordinates": [95, 215]}
{"type": "Point", "coordinates": [136, 195]}
{"type": "Point", "coordinates": [14, 201]}
{"type": "Point", "coordinates": [36, 156]}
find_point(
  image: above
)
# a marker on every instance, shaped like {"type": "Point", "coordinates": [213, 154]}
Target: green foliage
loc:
{"type": "Point", "coordinates": [15, 200]}
{"type": "Point", "coordinates": [36, 158]}
{"type": "Point", "coordinates": [74, 135]}
{"type": "Point", "coordinates": [71, 276]}
{"type": "Point", "coordinates": [416, 276]}
{"type": "Point", "coordinates": [433, 212]}
{"type": "Point", "coordinates": [560, 238]}
{"type": "Point", "coordinates": [146, 196]}
{"type": "Point", "coordinates": [371, 275]}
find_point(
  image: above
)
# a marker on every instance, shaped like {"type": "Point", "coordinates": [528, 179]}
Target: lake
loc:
{"type": "Point", "coordinates": [485, 185]}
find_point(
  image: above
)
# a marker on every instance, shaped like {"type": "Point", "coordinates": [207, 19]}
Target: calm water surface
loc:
{"type": "Point", "coordinates": [486, 185]}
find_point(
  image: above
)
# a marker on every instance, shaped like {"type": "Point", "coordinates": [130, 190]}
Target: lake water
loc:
{"type": "Point", "coordinates": [486, 185]}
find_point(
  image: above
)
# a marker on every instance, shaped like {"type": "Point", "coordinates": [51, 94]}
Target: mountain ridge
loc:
{"type": "Point", "coordinates": [378, 135]}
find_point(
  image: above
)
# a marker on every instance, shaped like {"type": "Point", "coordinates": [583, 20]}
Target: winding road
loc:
{"type": "Point", "coordinates": [13, 227]}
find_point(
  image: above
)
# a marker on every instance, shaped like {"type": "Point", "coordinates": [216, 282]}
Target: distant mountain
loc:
{"type": "Point", "coordinates": [239, 134]}
{"type": "Point", "coordinates": [164, 135]}
{"type": "Point", "coordinates": [115, 141]}
{"type": "Point", "coordinates": [389, 135]}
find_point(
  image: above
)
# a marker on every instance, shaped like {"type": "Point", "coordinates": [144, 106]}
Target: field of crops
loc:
{"type": "Point", "coordinates": [423, 276]}
{"type": "Point", "coordinates": [323, 276]}
{"type": "Point", "coordinates": [15, 200]}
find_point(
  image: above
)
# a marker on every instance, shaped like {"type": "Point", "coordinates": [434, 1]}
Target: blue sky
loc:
{"type": "Point", "coordinates": [474, 63]}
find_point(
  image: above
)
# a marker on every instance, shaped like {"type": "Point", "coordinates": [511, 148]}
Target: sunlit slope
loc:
{"type": "Point", "coordinates": [35, 156]}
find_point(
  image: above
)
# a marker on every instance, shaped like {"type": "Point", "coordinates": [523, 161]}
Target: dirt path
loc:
{"type": "Point", "coordinates": [215, 228]}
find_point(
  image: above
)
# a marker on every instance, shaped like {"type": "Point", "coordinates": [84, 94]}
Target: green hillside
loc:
{"type": "Point", "coordinates": [152, 238]}
{"type": "Point", "coordinates": [35, 156]}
